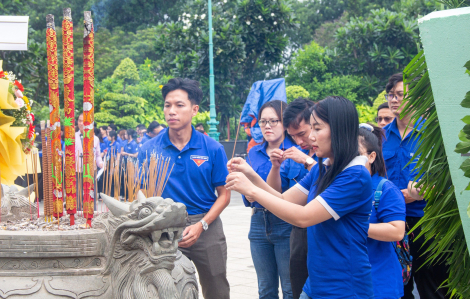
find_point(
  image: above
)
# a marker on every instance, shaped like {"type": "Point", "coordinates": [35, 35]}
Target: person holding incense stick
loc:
{"type": "Point", "coordinates": [296, 119]}
{"type": "Point", "coordinates": [333, 201]}
{"type": "Point", "coordinates": [269, 235]}
{"type": "Point", "coordinates": [199, 170]}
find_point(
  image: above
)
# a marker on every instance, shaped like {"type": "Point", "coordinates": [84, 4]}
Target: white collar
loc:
{"type": "Point", "coordinates": [359, 160]}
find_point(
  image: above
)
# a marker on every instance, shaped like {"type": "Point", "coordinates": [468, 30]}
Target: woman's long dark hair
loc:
{"type": "Point", "coordinates": [341, 115]}
{"type": "Point", "coordinates": [276, 105]}
{"type": "Point", "coordinates": [372, 142]}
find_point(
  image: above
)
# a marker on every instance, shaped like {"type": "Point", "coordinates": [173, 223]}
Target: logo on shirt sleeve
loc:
{"type": "Point", "coordinates": [199, 160]}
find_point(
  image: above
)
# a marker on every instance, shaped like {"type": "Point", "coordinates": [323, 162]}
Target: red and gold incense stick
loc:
{"type": "Point", "coordinates": [69, 109]}
{"type": "Point", "coordinates": [88, 117]}
{"type": "Point", "coordinates": [53, 79]}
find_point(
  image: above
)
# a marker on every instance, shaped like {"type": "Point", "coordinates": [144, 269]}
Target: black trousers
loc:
{"type": "Point", "coordinates": [298, 260]}
{"type": "Point", "coordinates": [429, 278]}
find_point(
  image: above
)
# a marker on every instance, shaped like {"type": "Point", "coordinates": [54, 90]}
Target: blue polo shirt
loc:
{"type": "Point", "coordinates": [386, 269]}
{"type": "Point", "coordinates": [259, 160]}
{"type": "Point", "coordinates": [337, 260]}
{"type": "Point", "coordinates": [114, 149]}
{"type": "Point", "coordinates": [198, 169]}
{"type": "Point", "coordinates": [397, 153]}
{"type": "Point", "coordinates": [145, 138]}
{"type": "Point", "coordinates": [104, 145]}
{"type": "Point", "coordinates": [131, 147]}
{"type": "Point", "coordinates": [292, 172]}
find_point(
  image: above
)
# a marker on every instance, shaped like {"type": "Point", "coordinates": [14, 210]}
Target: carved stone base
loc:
{"type": "Point", "coordinates": [69, 264]}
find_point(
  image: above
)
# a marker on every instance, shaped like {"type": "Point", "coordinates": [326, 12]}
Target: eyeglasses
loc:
{"type": "Point", "coordinates": [386, 119]}
{"type": "Point", "coordinates": [272, 122]}
{"type": "Point", "coordinates": [392, 96]}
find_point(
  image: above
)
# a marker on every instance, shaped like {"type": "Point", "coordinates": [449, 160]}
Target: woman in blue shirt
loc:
{"type": "Point", "coordinates": [387, 221]}
{"type": "Point", "coordinates": [130, 149]}
{"type": "Point", "coordinates": [269, 236]}
{"type": "Point", "coordinates": [333, 201]}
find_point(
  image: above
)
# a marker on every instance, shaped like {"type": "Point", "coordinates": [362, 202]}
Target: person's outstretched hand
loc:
{"type": "Point", "coordinates": [238, 181]}
{"type": "Point", "coordinates": [240, 165]}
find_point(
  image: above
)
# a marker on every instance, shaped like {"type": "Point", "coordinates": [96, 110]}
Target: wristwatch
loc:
{"type": "Point", "coordinates": [309, 162]}
{"type": "Point", "coordinates": [205, 226]}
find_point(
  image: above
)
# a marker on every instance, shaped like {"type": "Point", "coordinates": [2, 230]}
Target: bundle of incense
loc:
{"type": "Point", "coordinates": [80, 184]}
{"type": "Point", "coordinates": [157, 174]}
{"type": "Point", "coordinates": [36, 181]}
{"type": "Point", "coordinates": [53, 80]}
{"type": "Point", "coordinates": [88, 117]}
{"type": "Point", "coordinates": [29, 195]}
{"type": "Point", "coordinates": [117, 180]}
{"type": "Point", "coordinates": [132, 180]}
{"type": "Point", "coordinates": [69, 109]}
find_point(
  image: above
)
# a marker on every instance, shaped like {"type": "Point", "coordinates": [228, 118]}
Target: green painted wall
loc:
{"type": "Point", "coordinates": [446, 40]}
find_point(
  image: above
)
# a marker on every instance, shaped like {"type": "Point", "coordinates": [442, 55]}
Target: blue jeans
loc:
{"type": "Point", "coordinates": [269, 242]}
{"type": "Point", "coordinates": [304, 296]}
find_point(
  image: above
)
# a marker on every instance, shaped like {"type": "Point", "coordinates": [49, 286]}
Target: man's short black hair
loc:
{"type": "Point", "coordinates": [393, 80]}
{"type": "Point", "coordinates": [198, 125]}
{"type": "Point", "coordinates": [113, 127]}
{"type": "Point", "coordinates": [104, 127]}
{"type": "Point", "coordinates": [382, 106]}
{"type": "Point", "coordinates": [296, 111]}
{"type": "Point", "coordinates": [112, 134]}
{"type": "Point", "coordinates": [141, 126]}
{"type": "Point", "coordinates": [153, 125]}
{"type": "Point", "coordinates": [190, 86]}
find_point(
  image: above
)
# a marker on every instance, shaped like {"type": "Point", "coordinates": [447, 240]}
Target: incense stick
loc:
{"type": "Point", "coordinates": [29, 195]}
{"type": "Point", "coordinates": [36, 181]}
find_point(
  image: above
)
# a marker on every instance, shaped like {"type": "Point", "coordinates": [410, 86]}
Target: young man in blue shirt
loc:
{"type": "Point", "coordinates": [152, 131]}
{"type": "Point", "coordinates": [296, 119]}
{"type": "Point", "coordinates": [398, 151]}
{"type": "Point", "coordinates": [199, 170]}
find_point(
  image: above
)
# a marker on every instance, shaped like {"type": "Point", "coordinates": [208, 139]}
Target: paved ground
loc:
{"type": "Point", "coordinates": [240, 270]}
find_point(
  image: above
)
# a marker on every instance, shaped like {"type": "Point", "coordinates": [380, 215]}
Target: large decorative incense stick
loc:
{"type": "Point", "coordinates": [69, 121]}
{"type": "Point", "coordinates": [49, 198]}
{"type": "Point", "coordinates": [53, 79]}
{"type": "Point", "coordinates": [88, 117]}
{"type": "Point", "coordinates": [44, 166]}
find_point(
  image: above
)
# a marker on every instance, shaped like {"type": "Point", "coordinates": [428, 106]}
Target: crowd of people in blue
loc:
{"type": "Point", "coordinates": [329, 197]}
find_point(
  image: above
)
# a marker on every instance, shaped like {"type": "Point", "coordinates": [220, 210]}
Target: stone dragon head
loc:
{"type": "Point", "coordinates": [143, 247]}
{"type": "Point", "coordinates": [15, 204]}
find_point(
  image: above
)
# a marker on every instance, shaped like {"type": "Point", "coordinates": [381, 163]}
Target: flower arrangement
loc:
{"type": "Point", "coordinates": [22, 115]}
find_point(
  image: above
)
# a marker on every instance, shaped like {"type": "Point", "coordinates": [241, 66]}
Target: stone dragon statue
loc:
{"type": "Point", "coordinates": [15, 204]}
{"type": "Point", "coordinates": [143, 258]}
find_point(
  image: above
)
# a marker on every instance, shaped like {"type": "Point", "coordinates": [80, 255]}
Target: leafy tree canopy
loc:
{"type": "Point", "coordinates": [249, 41]}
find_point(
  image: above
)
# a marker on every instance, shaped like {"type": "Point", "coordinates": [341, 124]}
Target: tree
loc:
{"type": "Point", "coordinates": [249, 41]}
{"type": "Point", "coordinates": [117, 13]}
{"type": "Point", "coordinates": [312, 68]}
{"type": "Point", "coordinates": [295, 91]}
{"type": "Point", "coordinates": [375, 47]}
{"type": "Point", "coordinates": [127, 72]}
{"type": "Point", "coordinates": [120, 109]}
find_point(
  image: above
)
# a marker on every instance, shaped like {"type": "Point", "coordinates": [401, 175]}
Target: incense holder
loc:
{"type": "Point", "coordinates": [131, 252]}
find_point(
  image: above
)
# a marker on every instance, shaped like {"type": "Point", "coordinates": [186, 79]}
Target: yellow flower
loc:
{"type": "Point", "coordinates": [25, 99]}
{"type": "Point", "coordinates": [149, 65]}
{"type": "Point", "coordinates": [161, 86]}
